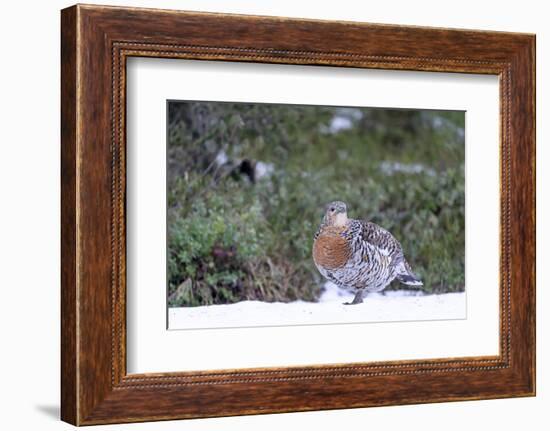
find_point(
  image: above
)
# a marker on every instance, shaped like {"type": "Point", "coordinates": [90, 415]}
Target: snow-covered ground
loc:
{"type": "Point", "coordinates": [391, 306]}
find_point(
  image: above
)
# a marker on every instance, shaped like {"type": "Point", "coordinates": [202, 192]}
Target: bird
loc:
{"type": "Point", "coordinates": [358, 255]}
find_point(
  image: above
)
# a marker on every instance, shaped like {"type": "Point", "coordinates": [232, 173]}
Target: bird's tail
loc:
{"type": "Point", "coordinates": [406, 276]}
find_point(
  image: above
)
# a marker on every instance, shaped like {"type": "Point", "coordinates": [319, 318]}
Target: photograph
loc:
{"type": "Point", "coordinates": [283, 214]}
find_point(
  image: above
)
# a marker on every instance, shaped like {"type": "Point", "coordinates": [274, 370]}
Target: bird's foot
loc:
{"type": "Point", "coordinates": [358, 299]}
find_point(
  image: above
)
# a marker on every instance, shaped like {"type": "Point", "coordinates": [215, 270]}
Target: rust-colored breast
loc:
{"type": "Point", "coordinates": [330, 250]}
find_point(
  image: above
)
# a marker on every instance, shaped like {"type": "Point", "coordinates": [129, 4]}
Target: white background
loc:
{"type": "Point", "coordinates": [29, 216]}
{"type": "Point", "coordinates": [151, 348]}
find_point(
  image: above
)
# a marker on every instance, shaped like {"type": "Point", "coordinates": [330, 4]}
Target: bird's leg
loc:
{"type": "Point", "coordinates": [358, 299]}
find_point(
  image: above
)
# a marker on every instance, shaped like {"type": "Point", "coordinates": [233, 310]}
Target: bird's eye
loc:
{"type": "Point", "coordinates": [332, 209]}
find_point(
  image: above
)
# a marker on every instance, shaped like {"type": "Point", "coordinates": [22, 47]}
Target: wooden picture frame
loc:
{"type": "Point", "coordinates": [95, 43]}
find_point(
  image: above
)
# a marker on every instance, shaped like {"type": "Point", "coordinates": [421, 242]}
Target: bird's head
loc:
{"type": "Point", "coordinates": [336, 214]}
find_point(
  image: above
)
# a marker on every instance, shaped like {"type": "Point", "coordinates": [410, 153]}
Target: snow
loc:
{"type": "Point", "coordinates": [391, 168]}
{"type": "Point", "coordinates": [344, 119]}
{"type": "Point", "coordinates": [338, 124]}
{"type": "Point", "coordinates": [392, 306]}
{"type": "Point", "coordinates": [221, 158]}
{"type": "Point", "coordinates": [264, 169]}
